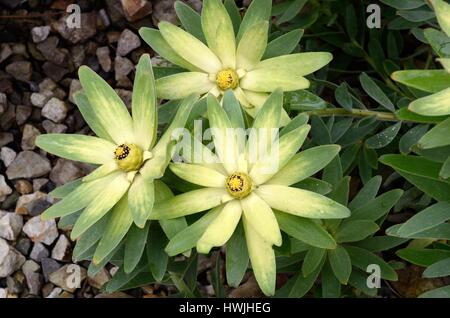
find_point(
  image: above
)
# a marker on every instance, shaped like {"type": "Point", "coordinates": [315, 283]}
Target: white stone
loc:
{"type": "Point", "coordinates": [28, 164]}
{"type": "Point", "coordinates": [10, 225]}
{"type": "Point", "coordinates": [7, 155]}
{"type": "Point", "coordinates": [10, 259]}
{"type": "Point", "coordinates": [5, 190]}
{"type": "Point", "coordinates": [55, 110]}
{"type": "Point", "coordinates": [39, 230]}
{"type": "Point", "coordinates": [64, 277]}
{"type": "Point", "coordinates": [61, 248]}
{"type": "Point", "coordinates": [128, 41]}
{"type": "Point", "coordinates": [40, 33]}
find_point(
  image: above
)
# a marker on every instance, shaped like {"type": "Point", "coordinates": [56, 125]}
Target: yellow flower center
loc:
{"type": "Point", "coordinates": [227, 79]}
{"type": "Point", "coordinates": [239, 185]}
{"type": "Point", "coordinates": [129, 157]}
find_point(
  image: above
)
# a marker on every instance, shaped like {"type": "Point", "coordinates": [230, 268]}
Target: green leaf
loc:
{"type": "Point", "coordinates": [216, 278]}
{"type": "Point", "coordinates": [421, 172]}
{"type": "Point", "coordinates": [109, 109]}
{"type": "Point", "coordinates": [115, 256]}
{"type": "Point", "coordinates": [142, 279]}
{"type": "Point", "coordinates": [333, 172]}
{"type": "Point", "coordinates": [157, 257]}
{"type": "Point", "coordinates": [438, 41]}
{"type": "Point", "coordinates": [304, 100]}
{"type": "Point", "coordinates": [432, 105]}
{"type": "Point", "coordinates": [259, 10]}
{"type": "Point", "coordinates": [105, 200]}
{"type": "Point", "coordinates": [350, 21]}
{"type": "Point", "coordinates": [343, 96]}
{"type": "Point", "coordinates": [438, 136]}
{"type": "Point", "coordinates": [442, 9]}
{"type": "Point", "coordinates": [411, 138]}
{"type": "Point", "coordinates": [341, 191]}
{"type": "Point", "coordinates": [163, 71]}
{"type": "Point", "coordinates": [445, 170]}
{"type": "Point", "coordinates": [190, 20]}
{"type": "Point", "coordinates": [90, 116]}
{"type": "Point", "coordinates": [298, 285]}
{"type": "Point", "coordinates": [299, 120]}
{"type": "Point", "coordinates": [416, 15]}
{"type": "Point", "coordinates": [66, 189]}
{"type": "Point", "coordinates": [233, 110]}
{"type": "Point", "coordinates": [442, 292]}
{"type": "Point", "coordinates": [134, 247]}
{"type": "Point", "coordinates": [430, 217]}
{"type": "Point", "coordinates": [340, 263]}
{"type": "Point", "coordinates": [423, 257]}
{"type": "Point", "coordinates": [305, 230]}
{"type": "Point", "coordinates": [320, 131]}
{"type": "Point", "coordinates": [305, 164]}
{"type": "Point", "coordinates": [407, 115]}
{"type": "Point", "coordinates": [294, 8]}
{"type": "Point", "coordinates": [187, 239]}
{"type": "Point", "coordinates": [233, 12]}
{"type": "Point", "coordinates": [77, 147]}
{"type": "Point", "coordinates": [431, 81]}
{"type": "Point", "coordinates": [143, 102]}
{"type": "Point", "coordinates": [67, 222]}
{"type": "Point", "coordinates": [236, 257]}
{"type": "Point", "coordinates": [372, 89]}
{"type": "Point", "coordinates": [141, 198]}
{"type": "Point", "coordinates": [377, 208]}
{"type": "Point", "coordinates": [283, 44]}
{"type": "Point", "coordinates": [155, 40]}
{"type": "Point", "coordinates": [439, 232]}
{"type": "Point", "coordinates": [380, 243]}
{"type": "Point", "coordinates": [118, 224]}
{"type": "Point", "coordinates": [367, 193]}
{"type": "Point", "coordinates": [361, 258]}
{"type": "Point", "coordinates": [331, 287]}
{"type": "Point", "coordinates": [89, 238]}
{"type": "Point", "coordinates": [314, 185]}
{"type": "Point", "coordinates": [359, 281]}
{"type": "Point", "coordinates": [313, 259]}
{"type": "Point", "coordinates": [404, 4]}
{"type": "Point", "coordinates": [121, 278]}
{"type": "Point", "coordinates": [400, 23]}
{"type": "Point", "coordinates": [438, 269]}
{"type": "Point", "coordinates": [384, 138]}
{"type": "Point", "coordinates": [340, 127]}
{"type": "Point", "coordinates": [355, 230]}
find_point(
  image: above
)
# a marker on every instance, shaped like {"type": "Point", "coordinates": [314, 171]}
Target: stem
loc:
{"type": "Point", "coordinates": [383, 116]}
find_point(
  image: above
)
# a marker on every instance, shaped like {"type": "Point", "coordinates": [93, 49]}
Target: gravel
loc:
{"type": "Point", "coordinates": [10, 225]}
{"type": "Point", "coordinates": [38, 82]}
{"type": "Point", "coordinates": [39, 230]}
{"type": "Point", "coordinates": [55, 110]}
{"type": "Point", "coordinates": [39, 34]}
{"type": "Point", "coordinates": [128, 41]}
{"type": "Point", "coordinates": [5, 189]}
{"type": "Point", "coordinates": [28, 164]}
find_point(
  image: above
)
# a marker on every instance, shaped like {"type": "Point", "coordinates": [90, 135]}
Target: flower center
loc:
{"type": "Point", "coordinates": [239, 185]}
{"type": "Point", "coordinates": [129, 157]}
{"type": "Point", "coordinates": [227, 79]}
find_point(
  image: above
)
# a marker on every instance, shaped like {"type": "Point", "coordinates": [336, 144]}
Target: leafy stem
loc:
{"type": "Point", "coordinates": [383, 116]}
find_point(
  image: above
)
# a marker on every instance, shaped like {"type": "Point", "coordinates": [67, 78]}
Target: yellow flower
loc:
{"type": "Point", "coordinates": [229, 62]}
{"type": "Point", "coordinates": [129, 157]}
{"type": "Point", "coordinates": [238, 185]}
